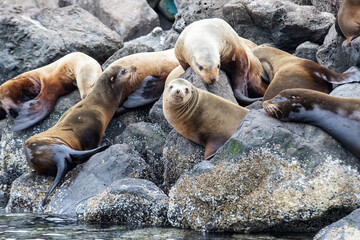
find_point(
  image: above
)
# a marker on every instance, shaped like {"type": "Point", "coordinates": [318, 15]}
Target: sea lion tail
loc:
{"type": "Point", "coordinates": [82, 156]}
{"type": "Point", "coordinates": [61, 162]}
{"type": "Point", "coordinates": [243, 100]}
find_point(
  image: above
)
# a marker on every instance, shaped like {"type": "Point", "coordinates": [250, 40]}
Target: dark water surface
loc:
{"type": "Point", "coordinates": [43, 226]}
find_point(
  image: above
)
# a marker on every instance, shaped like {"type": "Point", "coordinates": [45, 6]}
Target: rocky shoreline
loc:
{"type": "Point", "coordinates": [270, 176]}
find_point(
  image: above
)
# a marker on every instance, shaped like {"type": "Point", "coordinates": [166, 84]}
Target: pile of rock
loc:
{"type": "Point", "coordinates": [270, 176]}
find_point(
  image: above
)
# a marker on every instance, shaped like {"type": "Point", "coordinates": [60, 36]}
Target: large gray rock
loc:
{"type": "Point", "coordinates": [346, 228]}
{"type": "Point", "coordinates": [307, 50]}
{"type": "Point", "coordinates": [128, 200]}
{"type": "Point", "coordinates": [327, 5]}
{"type": "Point", "coordinates": [269, 176]}
{"type": "Point", "coordinates": [98, 173]}
{"type": "Point", "coordinates": [32, 39]}
{"type": "Point", "coordinates": [80, 184]}
{"type": "Point", "coordinates": [129, 18]}
{"type": "Point", "coordinates": [336, 55]}
{"type": "Point", "coordinates": [290, 24]}
{"type": "Point", "coordinates": [148, 140]}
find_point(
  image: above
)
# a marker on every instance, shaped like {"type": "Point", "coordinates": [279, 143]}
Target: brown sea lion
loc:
{"type": "Point", "coordinates": [30, 96]}
{"type": "Point", "coordinates": [348, 19]}
{"type": "Point", "coordinates": [148, 84]}
{"type": "Point", "coordinates": [80, 129]}
{"type": "Point", "coordinates": [338, 116]}
{"type": "Point", "coordinates": [287, 71]}
{"type": "Point", "coordinates": [210, 44]}
{"type": "Point", "coordinates": [200, 116]}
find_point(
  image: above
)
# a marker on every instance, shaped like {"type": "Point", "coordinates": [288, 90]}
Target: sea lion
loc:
{"type": "Point", "coordinates": [338, 116]}
{"type": "Point", "coordinates": [79, 130]}
{"type": "Point", "coordinates": [30, 96]}
{"type": "Point", "coordinates": [174, 74]}
{"type": "Point", "coordinates": [287, 71]}
{"type": "Point", "coordinates": [348, 19]}
{"type": "Point", "coordinates": [210, 44]}
{"type": "Point", "coordinates": [200, 116]}
{"type": "Point", "coordinates": [148, 83]}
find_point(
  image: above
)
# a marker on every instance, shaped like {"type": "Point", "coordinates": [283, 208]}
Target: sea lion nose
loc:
{"type": "Point", "coordinates": [213, 79]}
{"type": "Point", "coordinates": [178, 91]}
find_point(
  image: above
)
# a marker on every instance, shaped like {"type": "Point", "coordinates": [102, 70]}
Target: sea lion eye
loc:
{"type": "Point", "coordinates": [218, 66]}
{"type": "Point", "coordinates": [171, 87]}
{"type": "Point", "coordinates": [200, 68]}
{"type": "Point", "coordinates": [186, 90]}
{"type": "Point", "coordinates": [122, 71]}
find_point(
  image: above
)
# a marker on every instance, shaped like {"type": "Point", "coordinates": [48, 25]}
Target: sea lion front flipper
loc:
{"type": "Point", "coordinates": [32, 112]}
{"type": "Point", "coordinates": [149, 91]}
{"type": "Point", "coordinates": [243, 100]}
{"type": "Point", "coordinates": [61, 166]}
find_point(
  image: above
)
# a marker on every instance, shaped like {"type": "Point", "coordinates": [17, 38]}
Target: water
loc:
{"type": "Point", "coordinates": [43, 226]}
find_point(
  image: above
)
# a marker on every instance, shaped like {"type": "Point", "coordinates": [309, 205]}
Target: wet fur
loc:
{"type": "Point", "coordinates": [338, 116]}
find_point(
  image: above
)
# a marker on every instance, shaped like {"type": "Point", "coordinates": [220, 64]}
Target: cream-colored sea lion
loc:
{"type": "Point", "coordinates": [348, 19]}
{"type": "Point", "coordinates": [338, 116]}
{"type": "Point", "coordinates": [174, 74]}
{"type": "Point", "coordinates": [80, 129]}
{"type": "Point", "coordinates": [148, 84]}
{"type": "Point", "coordinates": [30, 96]}
{"type": "Point", "coordinates": [287, 71]}
{"type": "Point", "coordinates": [210, 44]}
{"type": "Point", "coordinates": [200, 116]}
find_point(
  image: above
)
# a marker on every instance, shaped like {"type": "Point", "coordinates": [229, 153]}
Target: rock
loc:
{"type": "Point", "coordinates": [168, 8]}
{"type": "Point", "coordinates": [129, 49]}
{"type": "Point", "coordinates": [336, 55]}
{"type": "Point", "coordinates": [129, 18]}
{"type": "Point", "coordinates": [13, 162]}
{"type": "Point", "coordinates": [27, 192]}
{"type": "Point", "coordinates": [148, 140]}
{"type": "Point", "coordinates": [179, 156]}
{"type": "Point", "coordinates": [346, 228]}
{"type": "Point", "coordinates": [237, 14]}
{"type": "Point", "coordinates": [327, 5]}
{"type": "Point", "coordinates": [302, 2]}
{"type": "Point", "coordinates": [128, 200]}
{"type": "Point", "coordinates": [157, 40]}
{"type": "Point", "coordinates": [29, 3]}
{"type": "Point", "coordinates": [289, 23]}
{"type": "Point", "coordinates": [32, 39]}
{"type": "Point", "coordinates": [269, 176]}
{"type": "Point", "coordinates": [190, 11]}
{"type": "Point", "coordinates": [94, 176]}
{"type": "Point", "coordinates": [307, 50]}
{"type": "Point", "coordinates": [156, 115]}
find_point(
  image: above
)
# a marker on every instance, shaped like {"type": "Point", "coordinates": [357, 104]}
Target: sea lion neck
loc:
{"type": "Point", "coordinates": [184, 111]}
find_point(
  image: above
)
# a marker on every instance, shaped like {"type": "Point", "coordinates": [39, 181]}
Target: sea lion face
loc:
{"type": "Point", "coordinates": [179, 91]}
{"type": "Point", "coordinates": [114, 78]}
{"type": "Point", "coordinates": [207, 66]}
{"type": "Point", "coordinates": [288, 105]}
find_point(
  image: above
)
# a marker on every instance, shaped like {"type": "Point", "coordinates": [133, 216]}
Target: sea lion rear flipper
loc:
{"type": "Point", "coordinates": [243, 100]}
{"type": "Point", "coordinates": [61, 166]}
{"type": "Point", "coordinates": [149, 91]}
{"type": "Point", "coordinates": [31, 112]}
{"type": "Point", "coordinates": [82, 156]}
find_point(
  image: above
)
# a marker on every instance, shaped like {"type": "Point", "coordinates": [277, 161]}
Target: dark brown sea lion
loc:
{"type": "Point", "coordinates": [210, 44]}
{"type": "Point", "coordinates": [286, 71]}
{"type": "Point", "coordinates": [200, 116]}
{"type": "Point", "coordinates": [73, 138]}
{"type": "Point", "coordinates": [338, 116]}
{"type": "Point", "coordinates": [30, 96]}
{"type": "Point", "coordinates": [148, 83]}
{"type": "Point", "coordinates": [348, 19]}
